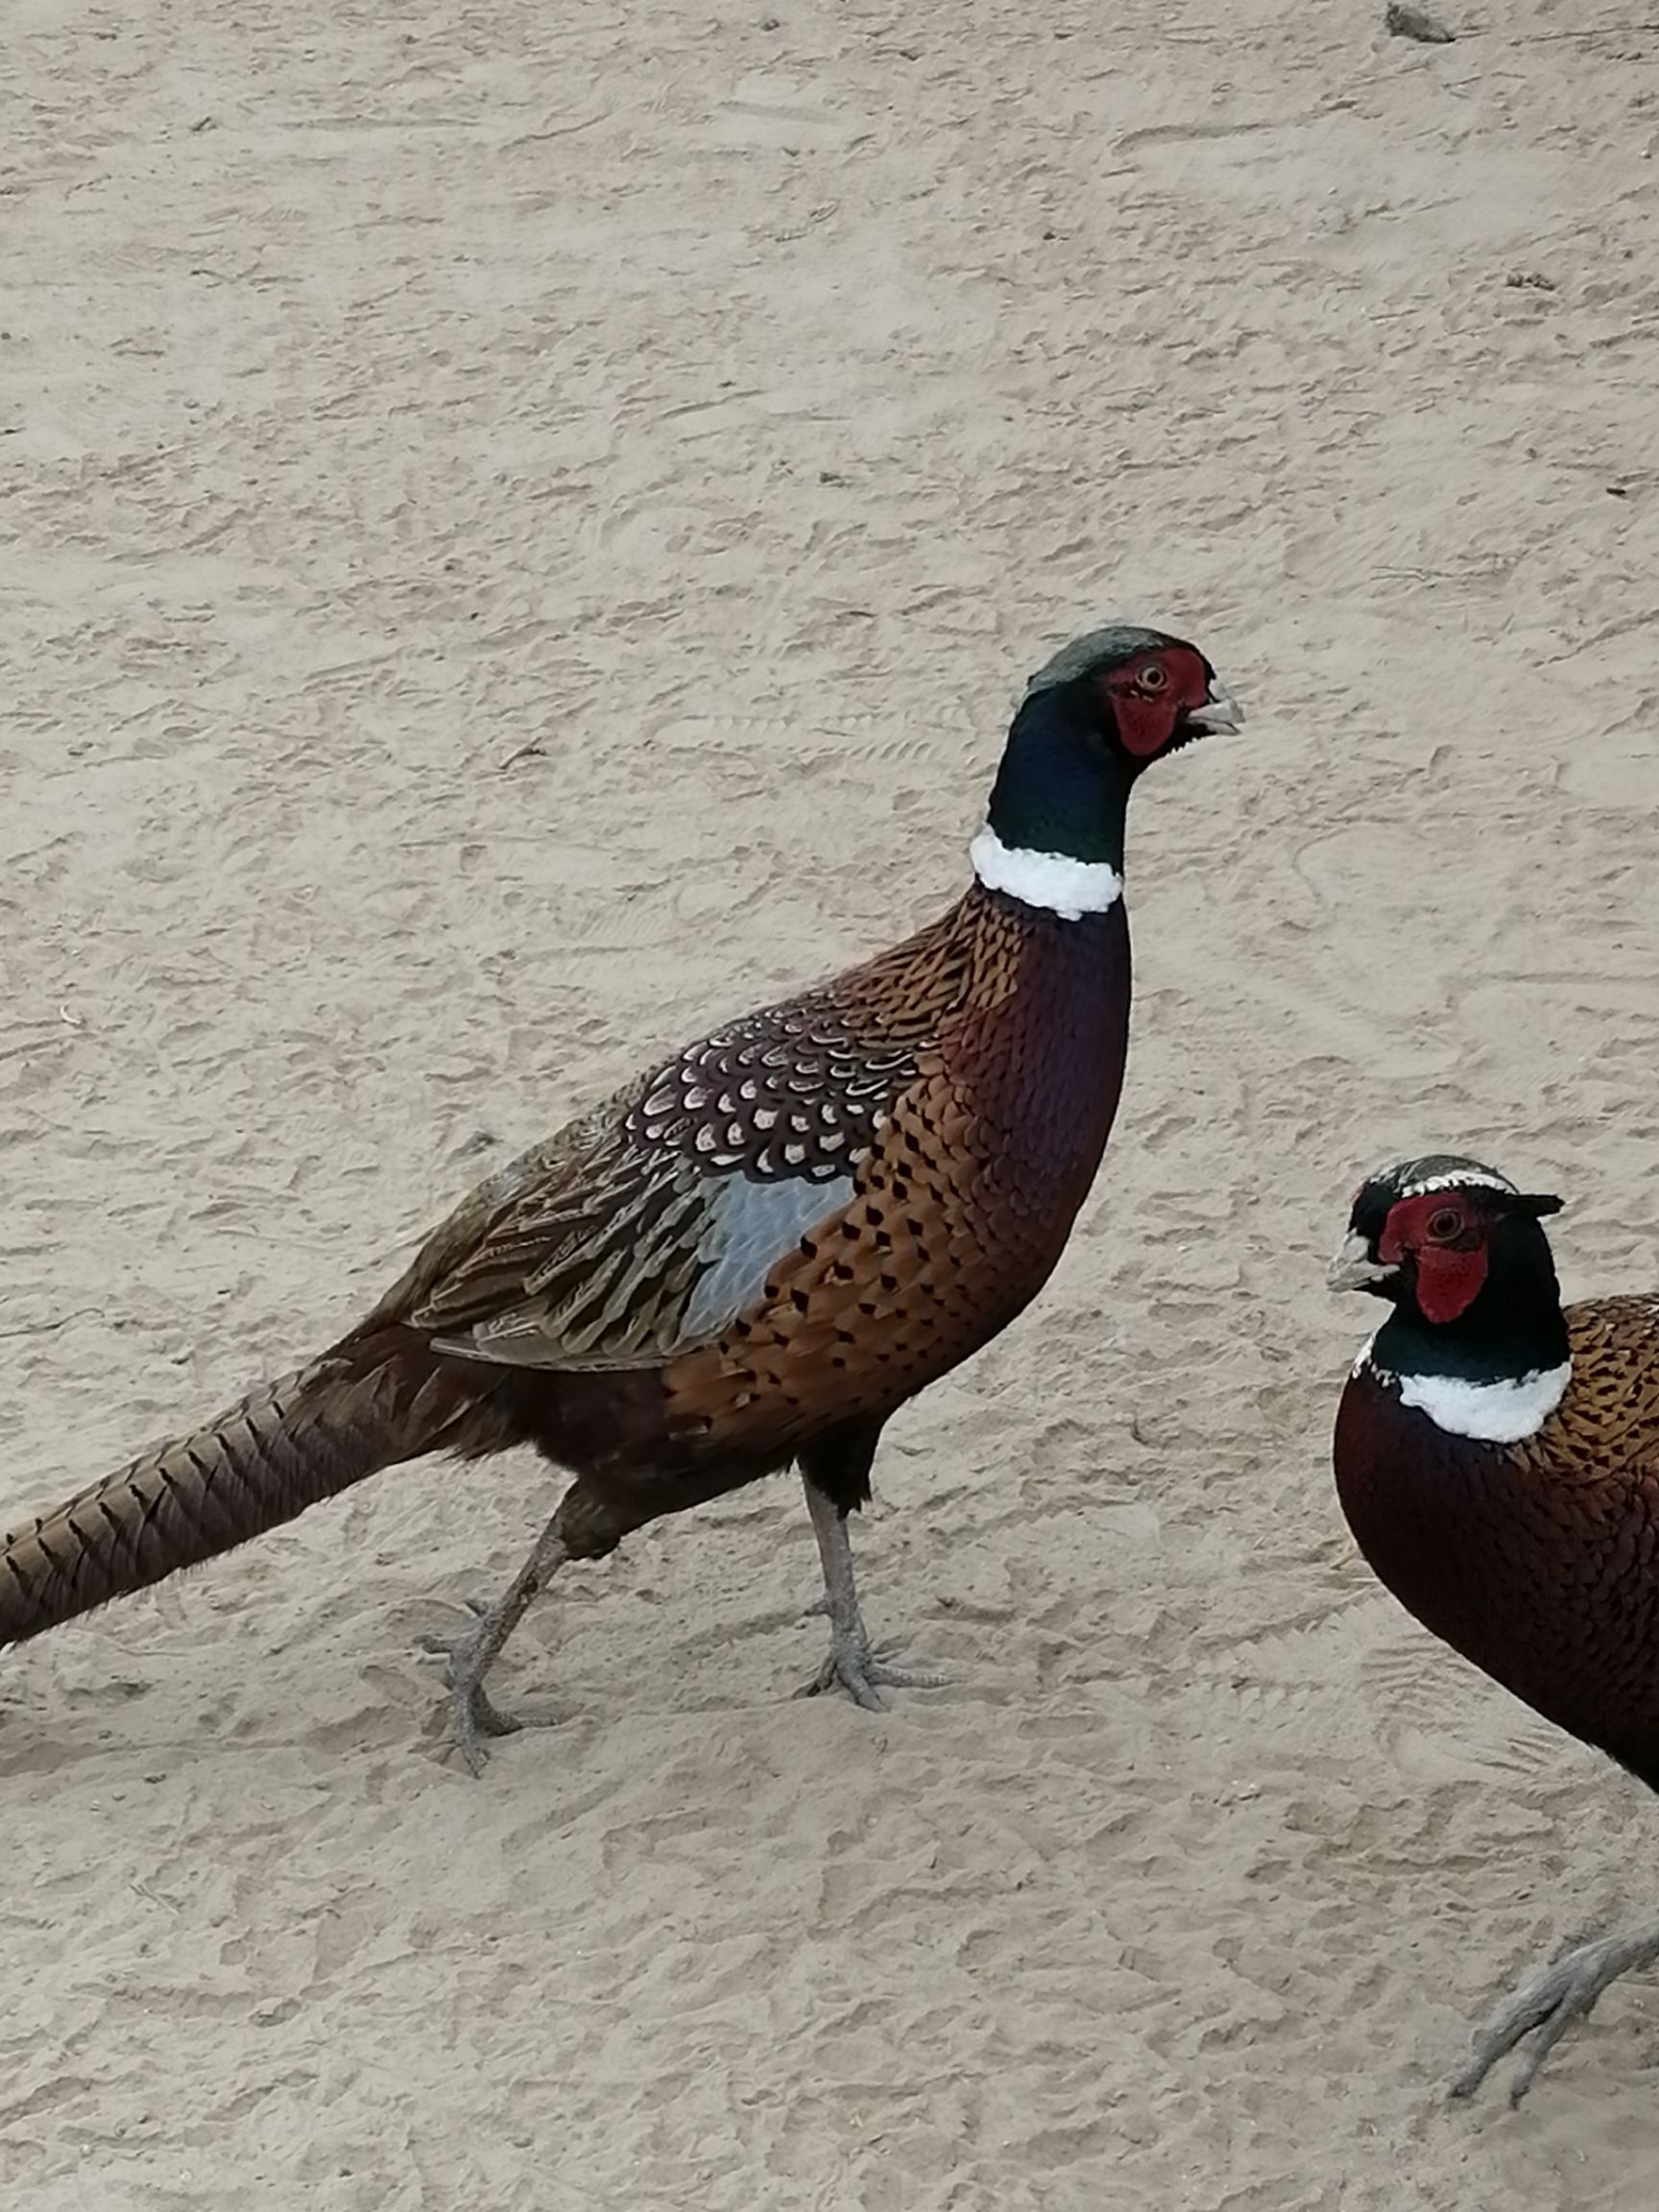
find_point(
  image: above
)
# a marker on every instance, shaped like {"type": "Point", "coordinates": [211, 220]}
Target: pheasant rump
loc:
{"type": "Point", "coordinates": [1497, 1456]}
{"type": "Point", "coordinates": [750, 1256]}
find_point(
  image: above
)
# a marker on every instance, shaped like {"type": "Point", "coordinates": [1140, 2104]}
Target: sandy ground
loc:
{"type": "Point", "coordinates": [521, 526]}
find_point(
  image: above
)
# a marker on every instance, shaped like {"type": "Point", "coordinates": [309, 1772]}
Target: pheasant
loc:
{"type": "Point", "coordinates": [750, 1256]}
{"type": "Point", "coordinates": [1497, 1458]}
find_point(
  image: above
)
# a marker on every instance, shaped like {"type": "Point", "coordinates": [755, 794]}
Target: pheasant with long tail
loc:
{"type": "Point", "coordinates": [753, 1255]}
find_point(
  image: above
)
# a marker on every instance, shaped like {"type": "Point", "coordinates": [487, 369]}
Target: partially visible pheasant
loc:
{"type": "Point", "coordinates": [1498, 1460]}
{"type": "Point", "coordinates": [753, 1255]}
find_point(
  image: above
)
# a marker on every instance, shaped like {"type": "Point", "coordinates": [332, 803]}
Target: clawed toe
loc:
{"type": "Point", "coordinates": [474, 1715]}
{"type": "Point", "coordinates": [470, 1656]}
{"type": "Point", "coordinates": [1546, 2006]}
{"type": "Point", "coordinates": [864, 1673]}
{"type": "Point", "coordinates": [446, 1647]}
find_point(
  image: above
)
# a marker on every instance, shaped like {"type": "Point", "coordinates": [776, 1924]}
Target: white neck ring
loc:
{"type": "Point", "coordinates": [1507, 1411]}
{"type": "Point", "coordinates": [1068, 887]}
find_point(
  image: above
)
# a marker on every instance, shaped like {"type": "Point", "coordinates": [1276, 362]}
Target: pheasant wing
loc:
{"type": "Point", "coordinates": [648, 1226]}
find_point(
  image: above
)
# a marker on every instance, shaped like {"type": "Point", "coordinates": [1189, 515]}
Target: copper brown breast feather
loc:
{"type": "Point", "coordinates": [752, 1255]}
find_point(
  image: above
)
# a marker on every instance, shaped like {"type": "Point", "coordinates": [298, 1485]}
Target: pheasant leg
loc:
{"type": "Point", "coordinates": [473, 1715]}
{"type": "Point", "coordinates": [1551, 1999]}
{"type": "Point", "coordinates": [852, 1664]}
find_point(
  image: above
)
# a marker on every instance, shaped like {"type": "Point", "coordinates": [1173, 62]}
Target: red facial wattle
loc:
{"type": "Point", "coordinates": [1145, 725]}
{"type": "Point", "coordinates": [1448, 1281]}
{"type": "Point", "coordinates": [1148, 697]}
{"type": "Point", "coordinates": [1450, 1276]}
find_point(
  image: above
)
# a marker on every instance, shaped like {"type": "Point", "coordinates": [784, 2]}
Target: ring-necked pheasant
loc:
{"type": "Point", "coordinates": [753, 1255]}
{"type": "Point", "coordinates": [1498, 1460]}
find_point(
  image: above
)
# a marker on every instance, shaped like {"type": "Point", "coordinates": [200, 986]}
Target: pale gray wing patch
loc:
{"type": "Point", "coordinates": [651, 1224]}
{"type": "Point", "coordinates": [752, 1226]}
{"type": "Point", "coordinates": [638, 1288]}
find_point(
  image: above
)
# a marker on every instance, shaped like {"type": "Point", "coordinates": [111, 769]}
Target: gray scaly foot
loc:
{"type": "Point", "coordinates": [1547, 2003]}
{"type": "Point", "coordinates": [852, 1664]}
{"type": "Point", "coordinates": [469, 1657]}
{"type": "Point", "coordinates": [474, 1715]}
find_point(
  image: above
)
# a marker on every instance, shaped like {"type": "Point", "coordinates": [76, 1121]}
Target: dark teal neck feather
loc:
{"type": "Point", "coordinates": [1514, 1326]}
{"type": "Point", "coordinates": [1062, 787]}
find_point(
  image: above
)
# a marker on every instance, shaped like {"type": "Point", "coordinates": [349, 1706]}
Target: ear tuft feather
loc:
{"type": "Point", "coordinates": [1538, 1202]}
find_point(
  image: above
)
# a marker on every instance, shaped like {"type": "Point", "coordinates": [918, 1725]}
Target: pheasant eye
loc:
{"type": "Point", "coordinates": [1444, 1222]}
{"type": "Point", "coordinates": [1153, 677]}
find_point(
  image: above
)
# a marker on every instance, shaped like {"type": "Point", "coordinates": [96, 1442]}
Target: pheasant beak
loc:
{"type": "Point", "coordinates": [1351, 1267]}
{"type": "Point", "coordinates": [1220, 711]}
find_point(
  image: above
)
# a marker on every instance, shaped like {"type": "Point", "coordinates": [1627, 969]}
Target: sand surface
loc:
{"type": "Point", "coordinates": [520, 529]}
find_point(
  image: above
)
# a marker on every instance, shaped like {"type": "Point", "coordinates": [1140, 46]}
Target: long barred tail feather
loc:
{"type": "Point", "coordinates": [284, 1447]}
